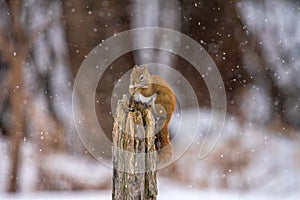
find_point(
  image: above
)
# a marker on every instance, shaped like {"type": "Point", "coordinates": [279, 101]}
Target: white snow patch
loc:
{"type": "Point", "coordinates": [4, 162]}
{"type": "Point", "coordinates": [167, 190]}
{"type": "Point", "coordinates": [78, 169]}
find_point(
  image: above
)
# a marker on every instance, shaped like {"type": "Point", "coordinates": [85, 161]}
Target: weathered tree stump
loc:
{"type": "Point", "coordinates": [134, 156]}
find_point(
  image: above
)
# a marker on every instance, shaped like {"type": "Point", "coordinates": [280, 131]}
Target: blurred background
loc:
{"type": "Point", "coordinates": [255, 45]}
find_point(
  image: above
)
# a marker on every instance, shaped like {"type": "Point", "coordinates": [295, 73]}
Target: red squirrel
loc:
{"type": "Point", "coordinates": [157, 93]}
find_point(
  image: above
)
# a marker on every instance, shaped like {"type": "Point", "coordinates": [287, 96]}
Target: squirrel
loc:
{"type": "Point", "coordinates": [154, 91]}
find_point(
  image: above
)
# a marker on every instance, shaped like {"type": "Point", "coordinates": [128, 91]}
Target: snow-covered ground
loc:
{"type": "Point", "coordinates": [167, 190]}
{"type": "Point", "coordinates": [248, 162]}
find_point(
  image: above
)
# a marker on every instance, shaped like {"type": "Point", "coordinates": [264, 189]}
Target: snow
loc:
{"type": "Point", "coordinates": [59, 195]}
{"type": "Point", "coordinates": [274, 24]}
{"type": "Point", "coordinates": [249, 161]}
{"type": "Point", "coordinates": [248, 157]}
{"type": "Point", "coordinates": [257, 99]}
{"type": "Point", "coordinates": [81, 170]}
{"type": "Point", "coordinates": [271, 169]}
{"type": "Point", "coordinates": [171, 190]}
{"type": "Point", "coordinates": [167, 190]}
{"type": "Point", "coordinates": [280, 20]}
{"type": "Point", "coordinates": [4, 158]}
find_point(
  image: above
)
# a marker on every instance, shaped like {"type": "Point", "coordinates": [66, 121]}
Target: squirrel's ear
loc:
{"type": "Point", "coordinates": [145, 67]}
{"type": "Point", "coordinates": [135, 67]}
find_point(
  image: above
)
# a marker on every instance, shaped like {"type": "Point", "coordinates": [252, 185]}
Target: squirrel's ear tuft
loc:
{"type": "Point", "coordinates": [135, 67]}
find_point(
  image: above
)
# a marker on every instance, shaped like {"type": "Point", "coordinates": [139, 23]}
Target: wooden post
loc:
{"type": "Point", "coordinates": [134, 156]}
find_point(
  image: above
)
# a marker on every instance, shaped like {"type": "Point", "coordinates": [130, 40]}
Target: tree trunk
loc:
{"type": "Point", "coordinates": [16, 121]}
{"type": "Point", "coordinates": [134, 156]}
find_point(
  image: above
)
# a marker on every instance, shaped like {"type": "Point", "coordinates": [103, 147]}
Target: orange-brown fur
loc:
{"type": "Point", "coordinates": [165, 97]}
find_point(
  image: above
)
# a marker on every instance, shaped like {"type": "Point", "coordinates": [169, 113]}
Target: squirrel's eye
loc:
{"type": "Point", "coordinates": [141, 77]}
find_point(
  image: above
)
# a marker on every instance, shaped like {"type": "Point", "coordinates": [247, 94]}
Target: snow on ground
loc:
{"type": "Point", "coordinates": [270, 172]}
{"type": "Point", "coordinates": [171, 190]}
{"type": "Point", "coordinates": [259, 159]}
{"type": "Point", "coordinates": [4, 158]}
{"type": "Point", "coordinates": [167, 190]}
{"type": "Point", "coordinates": [79, 170]}
{"type": "Point", "coordinates": [59, 196]}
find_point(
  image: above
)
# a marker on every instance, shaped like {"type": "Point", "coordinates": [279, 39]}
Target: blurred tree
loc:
{"type": "Point", "coordinates": [22, 28]}
{"type": "Point", "coordinates": [35, 88]}
{"type": "Point", "coordinates": [12, 50]}
{"type": "Point", "coordinates": [272, 57]}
